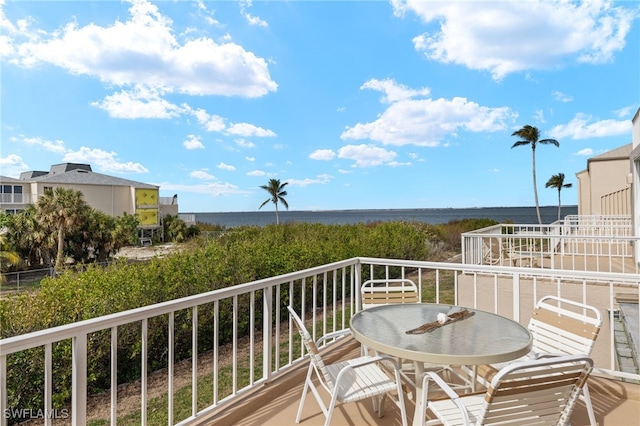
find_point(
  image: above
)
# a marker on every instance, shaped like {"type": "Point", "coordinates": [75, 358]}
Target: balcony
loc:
{"type": "Point", "coordinates": [580, 243]}
{"type": "Point", "coordinates": [250, 374]}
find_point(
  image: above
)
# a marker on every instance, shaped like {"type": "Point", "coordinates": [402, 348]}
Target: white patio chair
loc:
{"type": "Point", "coordinates": [559, 327]}
{"type": "Point", "coordinates": [541, 391]}
{"type": "Point", "coordinates": [385, 291]}
{"type": "Point", "coordinates": [348, 381]}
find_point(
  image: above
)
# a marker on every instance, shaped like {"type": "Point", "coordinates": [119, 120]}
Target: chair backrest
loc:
{"type": "Point", "coordinates": [493, 251]}
{"type": "Point", "coordinates": [543, 391]}
{"type": "Point", "coordinates": [312, 348]}
{"type": "Point", "coordinates": [561, 326]}
{"type": "Point", "coordinates": [386, 291]}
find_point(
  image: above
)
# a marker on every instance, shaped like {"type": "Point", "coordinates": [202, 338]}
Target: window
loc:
{"type": "Point", "coordinates": [17, 194]}
{"type": "Point", "coordinates": [11, 194]}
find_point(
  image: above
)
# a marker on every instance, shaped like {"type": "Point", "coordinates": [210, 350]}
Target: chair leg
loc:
{"type": "Point", "coordinates": [329, 412]}
{"type": "Point", "coordinates": [305, 389]}
{"type": "Point", "coordinates": [381, 405]}
{"type": "Point", "coordinates": [587, 401]}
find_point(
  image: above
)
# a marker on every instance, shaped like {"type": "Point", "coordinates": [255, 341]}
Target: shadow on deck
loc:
{"type": "Point", "coordinates": [276, 404]}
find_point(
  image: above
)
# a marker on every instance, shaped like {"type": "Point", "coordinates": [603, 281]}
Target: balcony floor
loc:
{"type": "Point", "coordinates": [615, 403]}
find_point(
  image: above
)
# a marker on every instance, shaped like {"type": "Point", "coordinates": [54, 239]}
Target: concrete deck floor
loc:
{"type": "Point", "coordinates": [615, 403]}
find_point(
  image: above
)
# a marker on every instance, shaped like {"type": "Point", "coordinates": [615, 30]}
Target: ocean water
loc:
{"type": "Point", "coordinates": [523, 215]}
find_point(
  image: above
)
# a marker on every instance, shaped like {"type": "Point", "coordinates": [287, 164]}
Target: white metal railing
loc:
{"type": "Point", "coordinates": [327, 295]}
{"type": "Point", "coordinates": [597, 225]}
{"type": "Point", "coordinates": [589, 243]}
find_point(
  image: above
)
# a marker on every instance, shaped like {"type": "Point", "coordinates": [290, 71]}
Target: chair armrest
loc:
{"type": "Point", "coordinates": [364, 361]}
{"type": "Point", "coordinates": [332, 335]}
{"type": "Point", "coordinates": [430, 375]}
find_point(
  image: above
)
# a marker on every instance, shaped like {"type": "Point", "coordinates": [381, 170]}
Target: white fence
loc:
{"type": "Point", "coordinates": [255, 312]}
{"type": "Point", "coordinates": [588, 243]}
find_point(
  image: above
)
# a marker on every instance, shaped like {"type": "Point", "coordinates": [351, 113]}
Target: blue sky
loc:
{"type": "Point", "coordinates": [356, 104]}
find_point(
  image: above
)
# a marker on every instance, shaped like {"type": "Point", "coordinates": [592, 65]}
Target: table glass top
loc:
{"type": "Point", "coordinates": [482, 338]}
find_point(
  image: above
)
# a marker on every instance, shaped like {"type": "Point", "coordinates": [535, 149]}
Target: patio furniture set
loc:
{"type": "Point", "coordinates": [527, 375]}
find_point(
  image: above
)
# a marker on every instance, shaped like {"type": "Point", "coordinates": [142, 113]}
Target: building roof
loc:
{"type": "Point", "coordinates": [619, 153]}
{"type": "Point", "coordinates": [8, 179]}
{"type": "Point", "coordinates": [71, 173]}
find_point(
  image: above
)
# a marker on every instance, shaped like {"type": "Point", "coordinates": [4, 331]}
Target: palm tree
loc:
{"type": "Point", "coordinates": [557, 181]}
{"type": "Point", "coordinates": [62, 208]}
{"type": "Point", "coordinates": [277, 192]}
{"type": "Point", "coordinates": [530, 135]}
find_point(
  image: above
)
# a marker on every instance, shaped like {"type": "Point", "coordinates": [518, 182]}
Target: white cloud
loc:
{"type": "Point", "coordinates": [141, 102]}
{"type": "Point", "coordinates": [625, 111]}
{"type": "Point", "coordinates": [503, 37]}
{"type": "Point", "coordinates": [12, 165]}
{"type": "Point", "coordinates": [366, 155]}
{"type": "Point", "coordinates": [320, 179]}
{"type": "Point", "coordinates": [539, 116]}
{"type": "Point", "coordinates": [561, 97]}
{"type": "Point", "coordinates": [244, 144]}
{"type": "Point", "coordinates": [143, 50]}
{"type": "Point", "coordinates": [580, 128]}
{"type": "Point", "coordinates": [201, 175]}
{"type": "Point", "coordinates": [212, 123]}
{"type": "Point", "coordinates": [425, 122]}
{"type": "Point", "coordinates": [398, 164]}
{"type": "Point", "coordinates": [252, 20]}
{"type": "Point", "coordinates": [256, 173]}
{"type": "Point", "coordinates": [247, 130]}
{"type": "Point", "coordinates": [393, 91]}
{"type": "Point", "coordinates": [250, 159]}
{"type": "Point", "coordinates": [52, 146]}
{"type": "Point", "coordinates": [193, 142]}
{"type": "Point", "coordinates": [228, 167]}
{"type": "Point", "coordinates": [586, 152]}
{"type": "Point", "coordinates": [322, 154]}
{"type": "Point", "coordinates": [103, 160]}
{"type": "Point", "coordinates": [215, 189]}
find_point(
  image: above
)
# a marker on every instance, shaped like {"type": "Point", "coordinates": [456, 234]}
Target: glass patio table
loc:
{"type": "Point", "coordinates": [481, 338]}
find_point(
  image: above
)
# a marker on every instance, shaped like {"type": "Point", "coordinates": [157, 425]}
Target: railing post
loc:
{"type": "Point", "coordinates": [516, 297]}
{"type": "Point", "coordinates": [3, 390]}
{"type": "Point", "coordinates": [267, 320]}
{"type": "Point", "coordinates": [358, 285]}
{"type": "Point", "coordinates": [79, 381]}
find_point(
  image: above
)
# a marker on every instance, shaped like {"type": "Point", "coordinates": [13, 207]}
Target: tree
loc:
{"type": "Point", "coordinates": [62, 208]}
{"type": "Point", "coordinates": [530, 135]}
{"type": "Point", "coordinates": [557, 181]}
{"type": "Point", "coordinates": [277, 192]}
{"type": "Point", "coordinates": [8, 257]}
{"type": "Point", "coordinates": [34, 241]}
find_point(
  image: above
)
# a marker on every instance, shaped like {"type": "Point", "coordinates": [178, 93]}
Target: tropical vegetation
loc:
{"type": "Point", "coordinates": [277, 194]}
{"type": "Point", "coordinates": [62, 226]}
{"type": "Point", "coordinates": [530, 136]}
{"type": "Point", "coordinates": [240, 255]}
{"type": "Point", "coordinates": [557, 181]}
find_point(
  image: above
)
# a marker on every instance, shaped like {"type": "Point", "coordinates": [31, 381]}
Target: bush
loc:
{"type": "Point", "coordinates": [240, 255]}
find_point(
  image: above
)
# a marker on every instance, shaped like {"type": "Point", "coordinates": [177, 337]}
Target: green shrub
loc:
{"type": "Point", "coordinates": [240, 255]}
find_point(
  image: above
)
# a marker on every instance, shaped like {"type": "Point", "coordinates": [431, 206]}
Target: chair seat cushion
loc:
{"type": "Point", "coordinates": [361, 382]}
{"type": "Point", "coordinates": [448, 412]}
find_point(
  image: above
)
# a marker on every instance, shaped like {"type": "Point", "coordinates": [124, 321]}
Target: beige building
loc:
{"type": "Point", "coordinates": [604, 188]}
{"type": "Point", "coordinates": [111, 195]}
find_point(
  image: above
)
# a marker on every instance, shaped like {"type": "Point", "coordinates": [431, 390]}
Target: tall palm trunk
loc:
{"type": "Point", "coordinates": [559, 204]}
{"type": "Point", "coordinates": [59, 256]}
{"type": "Point", "coordinates": [535, 186]}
